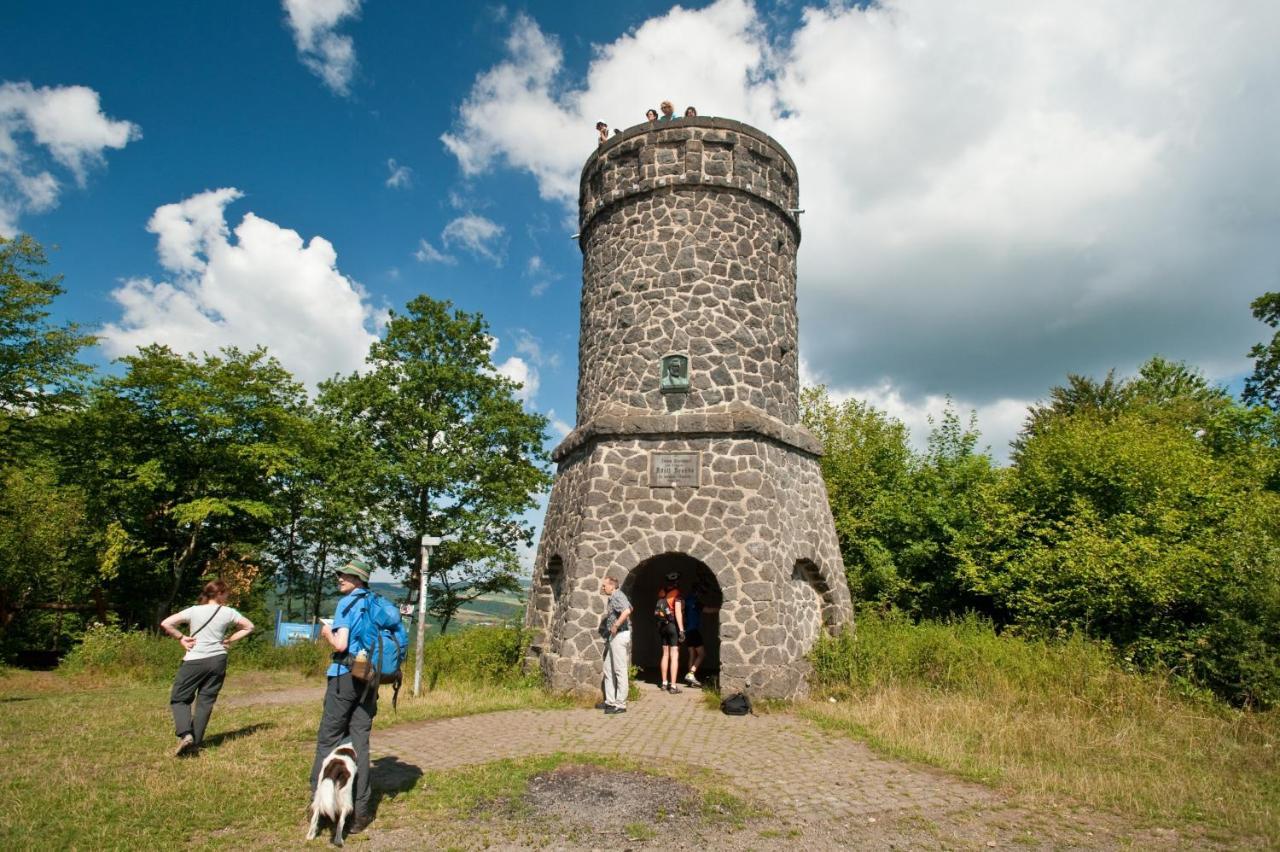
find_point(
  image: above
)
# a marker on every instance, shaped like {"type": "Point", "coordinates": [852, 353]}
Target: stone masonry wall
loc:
{"type": "Point", "coordinates": [760, 513]}
{"type": "Point", "coordinates": [689, 247]}
{"type": "Point", "coordinates": [695, 256]}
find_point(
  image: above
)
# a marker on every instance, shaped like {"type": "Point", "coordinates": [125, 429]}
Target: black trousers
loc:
{"type": "Point", "coordinates": [346, 717]}
{"type": "Point", "coordinates": [202, 678]}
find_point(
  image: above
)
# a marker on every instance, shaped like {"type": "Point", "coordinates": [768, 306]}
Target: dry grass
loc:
{"type": "Point", "coordinates": [1064, 730]}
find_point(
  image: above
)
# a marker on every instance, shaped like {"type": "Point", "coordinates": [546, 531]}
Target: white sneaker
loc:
{"type": "Point", "coordinates": [691, 680]}
{"type": "Point", "coordinates": [184, 745]}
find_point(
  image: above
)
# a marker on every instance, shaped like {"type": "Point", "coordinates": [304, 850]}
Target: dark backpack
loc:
{"type": "Point", "coordinates": [662, 610]}
{"type": "Point", "coordinates": [737, 704]}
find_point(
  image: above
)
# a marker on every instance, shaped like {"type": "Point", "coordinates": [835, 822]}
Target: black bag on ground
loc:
{"type": "Point", "coordinates": [737, 704]}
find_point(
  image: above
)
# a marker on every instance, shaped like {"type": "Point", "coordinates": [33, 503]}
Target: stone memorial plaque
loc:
{"type": "Point", "coordinates": [667, 470]}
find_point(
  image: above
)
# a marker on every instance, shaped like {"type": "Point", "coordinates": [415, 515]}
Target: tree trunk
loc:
{"type": "Point", "coordinates": [179, 573]}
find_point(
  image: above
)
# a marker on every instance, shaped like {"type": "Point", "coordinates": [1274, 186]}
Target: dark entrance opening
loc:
{"type": "Point", "coordinates": [641, 588]}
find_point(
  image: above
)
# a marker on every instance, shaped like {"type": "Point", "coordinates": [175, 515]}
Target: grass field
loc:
{"type": "Point", "coordinates": [87, 766]}
{"type": "Point", "coordinates": [1056, 726]}
{"type": "Point", "coordinates": [1057, 723]}
{"type": "Point", "coordinates": [87, 762]}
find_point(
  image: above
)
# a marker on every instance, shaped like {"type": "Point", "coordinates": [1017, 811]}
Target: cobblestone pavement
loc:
{"type": "Point", "coordinates": [777, 759]}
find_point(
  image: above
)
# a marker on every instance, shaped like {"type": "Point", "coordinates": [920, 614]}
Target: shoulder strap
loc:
{"type": "Point", "coordinates": [206, 624]}
{"type": "Point", "coordinates": [355, 599]}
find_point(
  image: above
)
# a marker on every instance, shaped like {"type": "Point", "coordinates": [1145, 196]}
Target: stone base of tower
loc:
{"type": "Point", "coordinates": [755, 534]}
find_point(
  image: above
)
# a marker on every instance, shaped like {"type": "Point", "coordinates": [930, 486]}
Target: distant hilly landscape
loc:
{"type": "Point", "coordinates": [487, 609]}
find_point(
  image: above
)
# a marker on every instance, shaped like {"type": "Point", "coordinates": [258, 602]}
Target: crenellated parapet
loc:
{"type": "Point", "coordinates": [688, 153]}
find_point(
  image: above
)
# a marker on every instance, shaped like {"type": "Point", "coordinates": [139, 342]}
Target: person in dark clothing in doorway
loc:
{"type": "Point", "coordinates": [694, 609]}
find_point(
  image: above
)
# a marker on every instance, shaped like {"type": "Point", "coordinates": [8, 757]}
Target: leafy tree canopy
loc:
{"type": "Point", "coordinates": [457, 454]}
{"type": "Point", "coordinates": [1262, 387]}
{"type": "Point", "coordinates": [39, 370]}
{"type": "Point", "coordinates": [185, 455]}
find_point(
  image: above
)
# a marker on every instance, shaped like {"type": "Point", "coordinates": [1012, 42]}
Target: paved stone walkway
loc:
{"type": "Point", "coordinates": [782, 761]}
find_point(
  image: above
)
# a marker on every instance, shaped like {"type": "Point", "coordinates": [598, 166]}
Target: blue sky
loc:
{"type": "Point", "coordinates": [998, 193]}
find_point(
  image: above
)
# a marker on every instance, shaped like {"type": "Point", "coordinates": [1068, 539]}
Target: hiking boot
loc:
{"type": "Point", "coordinates": [185, 745]}
{"type": "Point", "coordinates": [614, 711]}
{"type": "Point", "coordinates": [674, 690]}
{"type": "Point", "coordinates": [692, 681]}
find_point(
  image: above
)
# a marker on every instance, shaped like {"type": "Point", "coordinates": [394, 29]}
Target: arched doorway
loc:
{"type": "Point", "coordinates": [641, 588]}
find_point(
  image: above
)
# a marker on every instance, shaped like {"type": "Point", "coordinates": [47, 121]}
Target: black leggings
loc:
{"type": "Point", "coordinates": [204, 677]}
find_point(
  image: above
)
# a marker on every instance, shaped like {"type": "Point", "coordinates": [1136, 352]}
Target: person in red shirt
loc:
{"type": "Point", "coordinates": [669, 611]}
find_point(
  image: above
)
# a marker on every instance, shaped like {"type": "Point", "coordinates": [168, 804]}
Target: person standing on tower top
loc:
{"type": "Point", "coordinates": [668, 111]}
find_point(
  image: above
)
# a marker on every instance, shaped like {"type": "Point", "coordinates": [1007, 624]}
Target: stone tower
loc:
{"type": "Point", "coordinates": [688, 455]}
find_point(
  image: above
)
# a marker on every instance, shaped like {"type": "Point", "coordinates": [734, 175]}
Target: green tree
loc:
{"type": "Point", "coordinates": [938, 510]}
{"type": "Point", "coordinates": [1135, 529]}
{"type": "Point", "coordinates": [1168, 391]}
{"type": "Point", "coordinates": [898, 513]}
{"type": "Point", "coordinates": [866, 465]}
{"type": "Point", "coordinates": [457, 454]}
{"type": "Point", "coordinates": [329, 510]}
{"type": "Point", "coordinates": [39, 370]}
{"type": "Point", "coordinates": [1262, 387]}
{"type": "Point", "coordinates": [45, 567]}
{"type": "Point", "coordinates": [183, 457]}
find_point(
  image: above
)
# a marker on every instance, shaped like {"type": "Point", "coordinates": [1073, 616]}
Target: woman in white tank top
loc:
{"type": "Point", "coordinates": [204, 667]}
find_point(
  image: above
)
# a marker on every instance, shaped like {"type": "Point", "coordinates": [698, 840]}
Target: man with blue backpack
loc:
{"type": "Point", "coordinates": [369, 643]}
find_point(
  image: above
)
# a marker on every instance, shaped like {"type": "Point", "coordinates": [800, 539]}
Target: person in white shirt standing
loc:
{"type": "Point", "coordinates": [204, 667]}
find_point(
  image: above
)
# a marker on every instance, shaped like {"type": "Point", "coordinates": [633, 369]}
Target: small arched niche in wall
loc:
{"type": "Point", "coordinates": [808, 577]}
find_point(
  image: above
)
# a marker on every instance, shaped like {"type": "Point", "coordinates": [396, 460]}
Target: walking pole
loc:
{"type": "Point", "coordinates": [424, 556]}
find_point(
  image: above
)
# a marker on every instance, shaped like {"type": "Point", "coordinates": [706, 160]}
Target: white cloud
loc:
{"type": "Point", "coordinates": [998, 193]}
{"type": "Point", "coordinates": [542, 275]}
{"type": "Point", "coordinates": [531, 347]}
{"type": "Point", "coordinates": [559, 427]}
{"type": "Point", "coordinates": [522, 373]}
{"type": "Point", "coordinates": [428, 253]}
{"type": "Point", "coordinates": [265, 287]}
{"type": "Point", "coordinates": [518, 370]}
{"type": "Point", "coordinates": [480, 236]}
{"type": "Point", "coordinates": [328, 55]}
{"type": "Point", "coordinates": [400, 177]}
{"type": "Point", "coordinates": [998, 421]}
{"type": "Point", "coordinates": [65, 124]}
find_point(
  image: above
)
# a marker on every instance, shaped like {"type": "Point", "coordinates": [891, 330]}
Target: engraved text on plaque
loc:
{"type": "Point", "coordinates": [667, 470]}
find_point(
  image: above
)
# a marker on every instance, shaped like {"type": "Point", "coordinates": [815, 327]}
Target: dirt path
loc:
{"type": "Point", "coordinates": [289, 695]}
{"type": "Point", "coordinates": [824, 791]}
{"type": "Point", "coordinates": [820, 790]}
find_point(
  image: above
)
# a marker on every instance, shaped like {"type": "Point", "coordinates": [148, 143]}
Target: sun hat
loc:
{"type": "Point", "coordinates": [356, 568]}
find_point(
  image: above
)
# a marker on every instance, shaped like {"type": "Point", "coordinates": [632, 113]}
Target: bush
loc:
{"type": "Point", "coordinates": [1134, 532]}
{"type": "Point", "coordinates": [479, 654]}
{"type": "Point", "coordinates": [964, 655]}
{"type": "Point", "coordinates": [108, 650]}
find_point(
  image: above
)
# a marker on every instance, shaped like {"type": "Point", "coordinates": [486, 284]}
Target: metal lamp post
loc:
{"type": "Point", "coordinates": [428, 542]}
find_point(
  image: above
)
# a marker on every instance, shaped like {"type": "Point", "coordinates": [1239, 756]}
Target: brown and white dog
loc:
{"type": "Point", "coordinates": [334, 790]}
